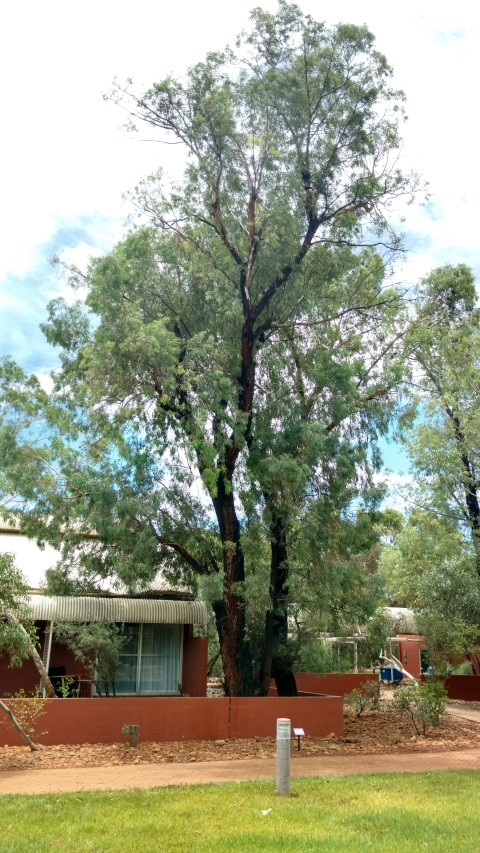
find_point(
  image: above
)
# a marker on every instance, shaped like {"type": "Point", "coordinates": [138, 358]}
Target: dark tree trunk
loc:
{"type": "Point", "coordinates": [470, 488]}
{"type": "Point", "coordinates": [277, 661]}
{"type": "Point", "coordinates": [230, 610]}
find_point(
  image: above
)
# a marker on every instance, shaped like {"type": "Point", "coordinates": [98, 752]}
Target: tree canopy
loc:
{"type": "Point", "coordinates": [225, 379]}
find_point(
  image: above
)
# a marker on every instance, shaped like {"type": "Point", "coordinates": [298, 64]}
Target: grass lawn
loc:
{"type": "Point", "coordinates": [408, 812]}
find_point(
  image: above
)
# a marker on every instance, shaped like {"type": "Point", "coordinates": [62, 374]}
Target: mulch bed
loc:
{"type": "Point", "coordinates": [374, 732]}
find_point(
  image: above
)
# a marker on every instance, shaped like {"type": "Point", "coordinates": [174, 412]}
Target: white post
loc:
{"type": "Point", "coordinates": [283, 756]}
{"type": "Point", "coordinates": [355, 656]}
{"type": "Point", "coordinates": [47, 648]}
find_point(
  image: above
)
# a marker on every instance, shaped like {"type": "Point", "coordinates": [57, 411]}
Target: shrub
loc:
{"type": "Point", "coordinates": [27, 709]}
{"type": "Point", "coordinates": [464, 668]}
{"type": "Point", "coordinates": [424, 705]}
{"type": "Point", "coordinates": [366, 697]}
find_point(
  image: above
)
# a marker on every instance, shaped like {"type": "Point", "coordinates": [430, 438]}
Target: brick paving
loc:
{"type": "Point", "coordinates": [155, 775]}
{"type": "Point", "coordinates": [160, 775]}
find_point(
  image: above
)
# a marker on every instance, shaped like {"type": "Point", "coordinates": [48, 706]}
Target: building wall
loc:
{"type": "Point", "coordinates": [409, 653]}
{"type": "Point", "coordinates": [26, 677]}
{"type": "Point", "coordinates": [31, 560]}
{"type": "Point", "coordinates": [466, 687]}
{"type": "Point", "coordinates": [195, 664]}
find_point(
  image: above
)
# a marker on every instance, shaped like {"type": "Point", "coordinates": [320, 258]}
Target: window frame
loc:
{"type": "Point", "coordinates": [137, 691]}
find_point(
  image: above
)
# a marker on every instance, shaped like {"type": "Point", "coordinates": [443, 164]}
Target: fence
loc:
{"type": "Point", "coordinates": [100, 720]}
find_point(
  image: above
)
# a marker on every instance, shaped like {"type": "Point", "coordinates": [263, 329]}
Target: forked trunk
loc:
{"type": "Point", "coordinates": [230, 610]}
{"type": "Point", "coordinates": [277, 662]}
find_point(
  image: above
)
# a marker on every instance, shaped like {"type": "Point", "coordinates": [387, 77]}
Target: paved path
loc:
{"type": "Point", "coordinates": [158, 775]}
{"type": "Point", "coordinates": [463, 712]}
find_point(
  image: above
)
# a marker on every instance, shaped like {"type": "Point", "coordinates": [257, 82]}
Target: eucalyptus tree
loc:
{"type": "Point", "coordinates": [17, 631]}
{"type": "Point", "coordinates": [443, 443]}
{"type": "Point", "coordinates": [228, 369]}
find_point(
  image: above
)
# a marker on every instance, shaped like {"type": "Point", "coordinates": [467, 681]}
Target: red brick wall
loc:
{"type": "Point", "coordinates": [100, 720]}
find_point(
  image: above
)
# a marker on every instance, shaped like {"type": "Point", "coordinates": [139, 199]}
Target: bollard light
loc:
{"type": "Point", "coordinates": [283, 756]}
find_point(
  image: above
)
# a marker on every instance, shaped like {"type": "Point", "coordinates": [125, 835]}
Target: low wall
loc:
{"type": "Point", "coordinates": [332, 683]}
{"type": "Point", "coordinates": [100, 720]}
{"type": "Point", "coordinates": [466, 687]}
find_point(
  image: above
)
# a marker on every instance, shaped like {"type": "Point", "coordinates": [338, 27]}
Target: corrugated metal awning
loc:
{"type": "Point", "coordinates": [66, 608]}
{"type": "Point", "coordinates": [402, 618]}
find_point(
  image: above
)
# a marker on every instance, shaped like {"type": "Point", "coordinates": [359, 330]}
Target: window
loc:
{"type": "Point", "coordinates": [151, 659]}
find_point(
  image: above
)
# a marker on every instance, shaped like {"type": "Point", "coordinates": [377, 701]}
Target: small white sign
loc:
{"type": "Point", "coordinates": [299, 733]}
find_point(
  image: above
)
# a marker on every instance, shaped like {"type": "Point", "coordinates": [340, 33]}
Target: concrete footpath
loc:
{"type": "Point", "coordinates": [160, 775]}
{"type": "Point", "coordinates": [120, 778]}
{"type": "Point", "coordinates": [463, 712]}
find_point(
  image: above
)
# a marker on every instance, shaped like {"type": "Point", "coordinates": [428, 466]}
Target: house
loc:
{"type": "Point", "coordinates": [406, 643]}
{"type": "Point", "coordinates": [160, 654]}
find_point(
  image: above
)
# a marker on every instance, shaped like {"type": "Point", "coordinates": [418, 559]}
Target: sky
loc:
{"type": "Point", "coordinates": [66, 160]}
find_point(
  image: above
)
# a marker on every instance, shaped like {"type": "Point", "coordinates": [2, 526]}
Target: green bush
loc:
{"type": "Point", "coordinates": [364, 698]}
{"type": "Point", "coordinates": [424, 705]}
{"type": "Point", "coordinates": [464, 668]}
{"type": "Point", "coordinates": [28, 709]}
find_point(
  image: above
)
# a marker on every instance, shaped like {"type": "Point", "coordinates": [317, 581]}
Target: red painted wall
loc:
{"type": "Point", "coordinates": [100, 720]}
{"type": "Point", "coordinates": [318, 716]}
{"type": "Point", "coordinates": [332, 683]}
{"type": "Point", "coordinates": [466, 687]}
{"type": "Point", "coordinates": [409, 653]}
{"type": "Point", "coordinates": [195, 664]}
{"type": "Point", "coordinates": [26, 677]}
{"type": "Point", "coordinates": [13, 679]}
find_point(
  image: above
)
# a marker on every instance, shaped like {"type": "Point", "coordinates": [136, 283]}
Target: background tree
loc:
{"type": "Point", "coordinates": [229, 369]}
{"type": "Point", "coordinates": [97, 646]}
{"type": "Point", "coordinates": [434, 565]}
{"type": "Point", "coordinates": [443, 443]}
{"type": "Point", "coordinates": [17, 633]}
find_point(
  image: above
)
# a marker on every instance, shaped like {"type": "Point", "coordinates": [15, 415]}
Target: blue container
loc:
{"type": "Point", "coordinates": [389, 673]}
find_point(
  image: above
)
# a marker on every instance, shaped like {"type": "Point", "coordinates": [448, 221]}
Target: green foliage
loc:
{"type": "Point", "coordinates": [464, 668]}
{"type": "Point", "coordinates": [443, 443]}
{"type": "Point", "coordinates": [423, 705]}
{"type": "Point", "coordinates": [375, 632]}
{"type": "Point", "coordinates": [431, 567]}
{"type": "Point", "coordinates": [97, 646]}
{"type": "Point", "coordinates": [14, 643]}
{"type": "Point", "coordinates": [28, 710]}
{"type": "Point", "coordinates": [447, 639]}
{"type": "Point", "coordinates": [234, 363]}
{"type": "Point", "coordinates": [315, 655]}
{"type": "Point", "coordinates": [364, 698]}
{"type": "Point", "coordinates": [131, 731]}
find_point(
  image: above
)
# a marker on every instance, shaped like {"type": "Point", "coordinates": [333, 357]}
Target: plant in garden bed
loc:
{"type": "Point", "coordinates": [424, 705]}
{"type": "Point", "coordinates": [366, 697]}
{"type": "Point", "coordinates": [25, 714]}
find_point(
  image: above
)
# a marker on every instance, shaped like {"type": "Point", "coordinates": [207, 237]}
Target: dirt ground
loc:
{"type": "Point", "coordinates": [374, 732]}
